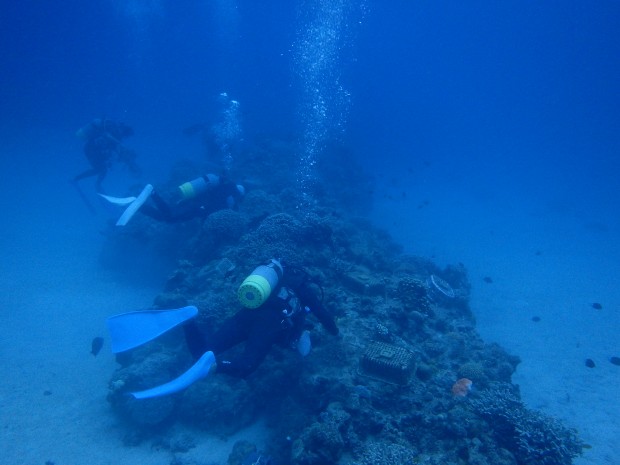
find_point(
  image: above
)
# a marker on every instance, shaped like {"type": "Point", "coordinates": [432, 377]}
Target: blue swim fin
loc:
{"type": "Point", "coordinates": [135, 205]}
{"type": "Point", "coordinates": [198, 370]}
{"type": "Point", "coordinates": [129, 330]}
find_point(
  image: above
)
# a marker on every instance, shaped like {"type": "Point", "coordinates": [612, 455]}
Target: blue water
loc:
{"type": "Point", "coordinates": [492, 130]}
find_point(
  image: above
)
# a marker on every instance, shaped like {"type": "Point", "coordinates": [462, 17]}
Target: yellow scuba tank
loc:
{"type": "Point", "coordinates": [191, 189]}
{"type": "Point", "coordinates": [257, 287]}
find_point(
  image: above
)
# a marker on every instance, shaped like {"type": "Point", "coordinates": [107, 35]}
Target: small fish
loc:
{"type": "Point", "coordinates": [597, 306]}
{"type": "Point", "coordinates": [615, 360]}
{"type": "Point", "coordinates": [96, 345]}
{"type": "Point", "coordinates": [590, 363]}
{"type": "Point", "coordinates": [487, 280]}
{"type": "Point", "coordinates": [535, 319]}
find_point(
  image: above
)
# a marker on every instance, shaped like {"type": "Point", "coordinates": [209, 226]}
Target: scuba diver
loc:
{"type": "Point", "coordinates": [103, 147]}
{"type": "Point", "coordinates": [276, 299]}
{"type": "Point", "coordinates": [193, 199]}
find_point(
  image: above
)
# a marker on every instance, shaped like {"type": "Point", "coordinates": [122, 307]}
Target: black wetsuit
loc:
{"type": "Point", "coordinates": [103, 146]}
{"type": "Point", "coordinates": [262, 327]}
{"type": "Point", "coordinates": [221, 196]}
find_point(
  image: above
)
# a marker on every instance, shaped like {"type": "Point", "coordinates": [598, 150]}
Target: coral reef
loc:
{"type": "Point", "coordinates": [386, 454]}
{"type": "Point", "coordinates": [209, 406]}
{"type": "Point", "coordinates": [331, 408]}
{"type": "Point", "coordinates": [533, 438]}
{"type": "Point", "coordinates": [325, 439]}
{"type": "Point", "coordinates": [225, 226]}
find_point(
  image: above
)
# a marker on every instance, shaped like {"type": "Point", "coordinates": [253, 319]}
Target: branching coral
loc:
{"type": "Point", "coordinates": [386, 454]}
{"type": "Point", "coordinates": [533, 437]}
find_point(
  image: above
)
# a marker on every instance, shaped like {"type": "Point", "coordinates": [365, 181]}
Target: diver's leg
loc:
{"type": "Point", "coordinates": [232, 332]}
{"type": "Point", "coordinates": [195, 339]}
{"type": "Point", "coordinates": [182, 211]}
{"type": "Point", "coordinates": [265, 330]}
{"type": "Point", "coordinates": [161, 211]}
{"type": "Point", "coordinates": [253, 355]}
{"type": "Point", "coordinates": [154, 213]}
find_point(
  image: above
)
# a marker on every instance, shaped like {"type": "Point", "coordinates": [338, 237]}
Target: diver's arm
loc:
{"type": "Point", "coordinates": [309, 299]}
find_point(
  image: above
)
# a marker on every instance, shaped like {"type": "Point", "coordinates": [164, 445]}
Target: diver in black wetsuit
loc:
{"type": "Point", "coordinates": [277, 298]}
{"type": "Point", "coordinates": [278, 320]}
{"type": "Point", "coordinates": [196, 199]}
{"type": "Point", "coordinates": [103, 147]}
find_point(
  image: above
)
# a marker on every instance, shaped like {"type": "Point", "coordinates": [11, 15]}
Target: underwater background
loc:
{"type": "Point", "coordinates": [477, 133]}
